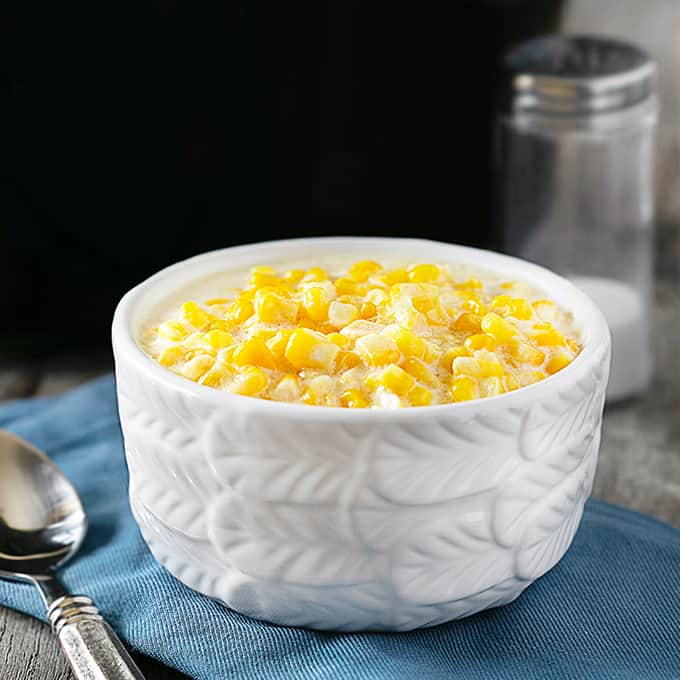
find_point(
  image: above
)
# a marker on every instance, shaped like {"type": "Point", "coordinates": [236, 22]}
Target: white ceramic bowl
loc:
{"type": "Point", "coordinates": [358, 519]}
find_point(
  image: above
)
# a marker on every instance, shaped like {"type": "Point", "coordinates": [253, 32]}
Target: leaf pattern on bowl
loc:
{"type": "Point", "coordinates": [370, 526]}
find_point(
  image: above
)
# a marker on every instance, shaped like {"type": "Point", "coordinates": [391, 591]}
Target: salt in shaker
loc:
{"type": "Point", "coordinates": [574, 163]}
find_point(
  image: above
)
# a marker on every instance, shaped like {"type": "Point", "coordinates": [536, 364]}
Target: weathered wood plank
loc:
{"type": "Point", "coordinates": [29, 651]}
{"type": "Point", "coordinates": [17, 380]}
{"type": "Point", "coordinates": [64, 372]}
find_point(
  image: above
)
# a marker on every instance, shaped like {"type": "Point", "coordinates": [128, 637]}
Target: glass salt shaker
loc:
{"type": "Point", "coordinates": [574, 164]}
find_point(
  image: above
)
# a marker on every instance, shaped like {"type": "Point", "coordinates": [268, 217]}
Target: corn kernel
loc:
{"type": "Point", "coordinates": [510, 383]}
{"type": "Point", "coordinates": [474, 305]}
{"type": "Point", "coordinates": [521, 309]}
{"type": "Point", "coordinates": [424, 295]}
{"type": "Point", "coordinates": [216, 375]}
{"type": "Point", "coordinates": [447, 358]}
{"type": "Point", "coordinates": [353, 399]}
{"type": "Point", "coordinates": [293, 276]}
{"type": "Point", "coordinates": [173, 330]}
{"type": "Point", "coordinates": [338, 339]}
{"type": "Point", "coordinates": [423, 273]}
{"type": "Point", "coordinates": [272, 307]}
{"type": "Point", "coordinates": [315, 302]}
{"type": "Point", "coordinates": [253, 352]}
{"type": "Point", "coordinates": [480, 341]}
{"type": "Point", "coordinates": [345, 286]}
{"type": "Point", "coordinates": [491, 387]}
{"type": "Point", "coordinates": [368, 310]}
{"type": "Point", "coordinates": [419, 396]}
{"type": "Point", "coordinates": [377, 297]}
{"type": "Point", "coordinates": [346, 360]}
{"type": "Point", "coordinates": [409, 344]}
{"type": "Point", "coordinates": [558, 361]}
{"type": "Point", "coordinates": [361, 271]}
{"type": "Point", "coordinates": [239, 310]}
{"type": "Point", "coordinates": [287, 389]}
{"type": "Point", "coordinates": [315, 274]}
{"type": "Point", "coordinates": [307, 323]}
{"type": "Point", "coordinates": [225, 355]}
{"type": "Point", "coordinates": [419, 371]}
{"type": "Point", "coordinates": [307, 349]}
{"type": "Point", "coordinates": [170, 355]}
{"type": "Point", "coordinates": [189, 354]}
{"type": "Point", "coordinates": [573, 346]}
{"type": "Point", "coordinates": [393, 378]}
{"type": "Point", "coordinates": [219, 325]}
{"type": "Point", "coordinates": [548, 337]}
{"type": "Point", "coordinates": [277, 344]}
{"type": "Point", "coordinates": [308, 397]}
{"type": "Point", "coordinates": [250, 381]}
{"type": "Point", "coordinates": [360, 327]}
{"type": "Point", "coordinates": [472, 283]}
{"type": "Point", "coordinates": [464, 388]}
{"type": "Point", "coordinates": [437, 317]}
{"type": "Point", "coordinates": [262, 276]}
{"type": "Point", "coordinates": [195, 315]}
{"type": "Point", "coordinates": [467, 322]}
{"type": "Point", "coordinates": [326, 329]}
{"type": "Point", "coordinates": [524, 352]}
{"type": "Point", "coordinates": [199, 365]}
{"type": "Point", "coordinates": [505, 305]}
{"type": "Point", "coordinates": [353, 377]}
{"type": "Point", "coordinates": [482, 365]}
{"type": "Point", "coordinates": [529, 377]}
{"type": "Point", "coordinates": [321, 387]}
{"type": "Point", "coordinates": [377, 350]}
{"type": "Point", "coordinates": [432, 353]}
{"type": "Point", "coordinates": [341, 314]}
{"type": "Point", "coordinates": [499, 328]}
{"type": "Point", "coordinates": [408, 316]}
{"type": "Point", "coordinates": [218, 339]}
{"type": "Point", "coordinates": [394, 276]}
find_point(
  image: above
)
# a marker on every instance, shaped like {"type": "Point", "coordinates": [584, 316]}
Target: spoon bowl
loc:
{"type": "Point", "coordinates": [42, 524]}
{"type": "Point", "coordinates": [38, 531]}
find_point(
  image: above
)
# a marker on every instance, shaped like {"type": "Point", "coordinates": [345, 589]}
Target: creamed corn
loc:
{"type": "Point", "coordinates": [369, 337]}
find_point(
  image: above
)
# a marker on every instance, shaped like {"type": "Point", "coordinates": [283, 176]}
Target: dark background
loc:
{"type": "Point", "coordinates": [136, 133]}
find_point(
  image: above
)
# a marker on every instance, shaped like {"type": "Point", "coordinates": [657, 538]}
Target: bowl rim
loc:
{"type": "Point", "coordinates": [125, 343]}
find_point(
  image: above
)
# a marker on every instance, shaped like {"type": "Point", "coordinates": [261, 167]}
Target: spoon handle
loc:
{"type": "Point", "coordinates": [93, 649]}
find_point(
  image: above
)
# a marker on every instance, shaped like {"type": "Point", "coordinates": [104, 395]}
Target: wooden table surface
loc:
{"type": "Point", "coordinates": [639, 463]}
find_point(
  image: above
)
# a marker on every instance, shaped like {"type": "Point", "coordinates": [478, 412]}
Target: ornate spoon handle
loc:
{"type": "Point", "coordinates": [93, 649]}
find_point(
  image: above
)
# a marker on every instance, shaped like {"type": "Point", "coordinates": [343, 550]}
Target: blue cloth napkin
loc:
{"type": "Point", "coordinates": [609, 609]}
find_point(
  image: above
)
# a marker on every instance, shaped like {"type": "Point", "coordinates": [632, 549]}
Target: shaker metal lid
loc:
{"type": "Point", "coordinates": [576, 74]}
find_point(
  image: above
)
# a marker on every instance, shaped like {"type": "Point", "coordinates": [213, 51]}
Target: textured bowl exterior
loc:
{"type": "Point", "coordinates": [334, 519]}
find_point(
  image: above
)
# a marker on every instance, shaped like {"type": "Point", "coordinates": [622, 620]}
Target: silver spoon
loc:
{"type": "Point", "coordinates": [42, 524]}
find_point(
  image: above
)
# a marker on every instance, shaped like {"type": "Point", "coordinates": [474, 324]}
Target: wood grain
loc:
{"type": "Point", "coordinates": [28, 650]}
